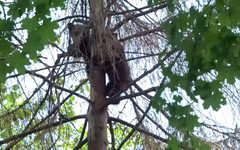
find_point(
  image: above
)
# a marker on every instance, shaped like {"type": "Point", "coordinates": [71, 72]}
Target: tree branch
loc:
{"type": "Point", "coordinates": [138, 129]}
{"type": "Point", "coordinates": [135, 127]}
{"type": "Point", "coordinates": [54, 124]}
{"type": "Point", "coordinates": [130, 17]}
{"type": "Point", "coordinates": [140, 34]}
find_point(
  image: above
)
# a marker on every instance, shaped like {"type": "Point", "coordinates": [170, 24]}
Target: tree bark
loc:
{"type": "Point", "coordinates": [97, 113]}
{"type": "Point", "coordinates": [97, 116]}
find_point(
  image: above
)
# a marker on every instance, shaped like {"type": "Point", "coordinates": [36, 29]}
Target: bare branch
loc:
{"type": "Point", "coordinates": [138, 129]}
{"type": "Point", "coordinates": [51, 125]}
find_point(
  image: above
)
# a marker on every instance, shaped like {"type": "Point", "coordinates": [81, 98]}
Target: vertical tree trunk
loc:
{"type": "Point", "coordinates": [97, 116]}
{"type": "Point", "coordinates": [97, 113]}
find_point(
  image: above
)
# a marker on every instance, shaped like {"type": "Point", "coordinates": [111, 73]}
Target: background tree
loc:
{"type": "Point", "coordinates": [183, 55]}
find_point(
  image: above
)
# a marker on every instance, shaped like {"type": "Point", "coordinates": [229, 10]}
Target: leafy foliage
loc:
{"type": "Point", "coordinates": [203, 43]}
{"type": "Point", "coordinates": [135, 142]}
{"type": "Point", "coordinates": [209, 40]}
{"type": "Point", "coordinates": [208, 46]}
{"type": "Point", "coordinates": [23, 16]}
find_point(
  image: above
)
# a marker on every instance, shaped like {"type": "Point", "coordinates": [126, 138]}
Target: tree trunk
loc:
{"type": "Point", "coordinates": [97, 113]}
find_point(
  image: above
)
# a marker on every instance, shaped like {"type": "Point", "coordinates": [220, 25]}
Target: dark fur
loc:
{"type": "Point", "coordinates": [118, 71]}
{"type": "Point", "coordinates": [80, 46]}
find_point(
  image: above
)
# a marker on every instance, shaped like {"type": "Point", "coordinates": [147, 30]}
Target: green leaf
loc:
{"type": "Point", "coordinates": [209, 92]}
{"type": "Point", "coordinates": [30, 24]}
{"type": "Point", "coordinates": [157, 2]}
{"type": "Point", "coordinates": [171, 4]}
{"type": "Point", "coordinates": [150, 3]}
{"type": "Point", "coordinates": [48, 27]}
{"type": "Point", "coordinates": [173, 144]}
{"type": "Point", "coordinates": [37, 37]}
{"type": "Point", "coordinates": [172, 31]}
{"type": "Point", "coordinates": [18, 60]}
{"type": "Point", "coordinates": [158, 102]}
{"type": "Point", "coordinates": [215, 101]}
{"type": "Point", "coordinates": [87, 88]}
{"type": "Point", "coordinates": [58, 3]}
{"type": "Point", "coordinates": [224, 19]}
{"type": "Point", "coordinates": [204, 147]}
{"type": "Point", "coordinates": [4, 69]}
{"type": "Point", "coordinates": [42, 8]}
{"type": "Point", "coordinates": [17, 8]}
{"type": "Point", "coordinates": [6, 48]}
{"type": "Point", "coordinates": [33, 44]}
{"type": "Point", "coordinates": [181, 117]}
{"type": "Point", "coordinates": [6, 25]}
{"type": "Point", "coordinates": [15, 87]}
{"type": "Point", "coordinates": [234, 11]}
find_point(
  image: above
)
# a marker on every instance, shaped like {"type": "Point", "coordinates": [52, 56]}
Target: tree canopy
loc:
{"type": "Point", "coordinates": [184, 61]}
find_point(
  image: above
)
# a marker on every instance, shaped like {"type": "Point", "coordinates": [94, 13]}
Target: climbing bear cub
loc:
{"type": "Point", "coordinates": [115, 66]}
